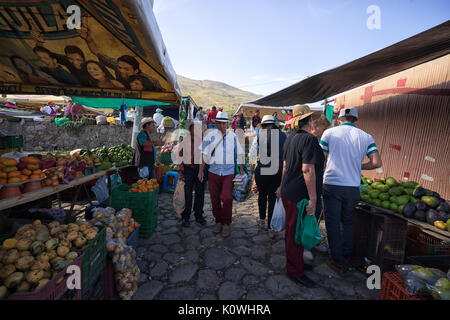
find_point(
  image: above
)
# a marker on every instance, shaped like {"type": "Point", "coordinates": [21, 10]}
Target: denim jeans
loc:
{"type": "Point", "coordinates": [339, 207]}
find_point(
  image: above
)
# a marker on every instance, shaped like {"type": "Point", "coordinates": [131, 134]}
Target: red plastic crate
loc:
{"type": "Point", "coordinates": [55, 288]}
{"type": "Point", "coordinates": [420, 243]}
{"type": "Point", "coordinates": [392, 288]}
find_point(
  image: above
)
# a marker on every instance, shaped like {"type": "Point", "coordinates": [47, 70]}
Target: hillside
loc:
{"type": "Point", "coordinates": [207, 93]}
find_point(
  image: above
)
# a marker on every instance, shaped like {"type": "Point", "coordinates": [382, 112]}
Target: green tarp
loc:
{"type": "Point", "coordinates": [100, 103]}
{"type": "Point", "coordinates": [329, 113]}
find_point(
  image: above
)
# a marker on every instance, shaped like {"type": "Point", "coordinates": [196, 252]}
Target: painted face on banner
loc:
{"type": "Point", "coordinates": [95, 71]}
{"type": "Point", "coordinates": [75, 59]}
{"type": "Point", "coordinates": [136, 85]}
{"type": "Point", "coordinates": [23, 66]}
{"type": "Point", "coordinates": [125, 70]}
{"type": "Point", "coordinates": [47, 60]}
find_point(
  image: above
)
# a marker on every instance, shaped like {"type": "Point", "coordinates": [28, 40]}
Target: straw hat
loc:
{"type": "Point", "coordinates": [302, 111]}
{"type": "Point", "coordinates": [267, 119]}
{"type": "Point", "coordinates": [222, 116]}
{"type": "Point", "coordinates": [146, 120]}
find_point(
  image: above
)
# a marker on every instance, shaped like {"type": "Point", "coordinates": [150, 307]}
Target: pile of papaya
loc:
{"type": "Point", "coordinates": [409, 199]}
{"type": "Point", "coordinates": [12, 171]}
{"type": "Point", "coordinates": [144, 186]}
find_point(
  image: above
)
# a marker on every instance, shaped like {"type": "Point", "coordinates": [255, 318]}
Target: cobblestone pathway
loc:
{"type": "Point", "coordinates": [195, 264]}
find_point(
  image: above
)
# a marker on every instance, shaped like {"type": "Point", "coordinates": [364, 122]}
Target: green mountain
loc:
{"type": "Point", "coordinates": [207, 93]}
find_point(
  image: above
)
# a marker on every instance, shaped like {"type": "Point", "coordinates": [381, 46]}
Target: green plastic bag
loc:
{"type": "Point", "coordinates": [307, 232]}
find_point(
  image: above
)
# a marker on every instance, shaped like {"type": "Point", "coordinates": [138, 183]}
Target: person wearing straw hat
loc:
{"type": "Point", "coordinates": [145, 152]}
{"type": "Point", "coordinates": [303, 164]}
{"type": "Point", "coordinates": [345, 147]}
{"type": "Point", "coordinates": [158, 117]}
{"type": "Point", "coordinates": [268, 181]}
{"type": "Point", "coordinates": [221, 150]}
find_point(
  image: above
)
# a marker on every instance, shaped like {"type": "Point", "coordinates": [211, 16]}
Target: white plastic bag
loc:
{"type": "Point", "coordinates": [101, 189]}
{"type": "Point", "coordinates": [279, 217]}
{"type": "Point", "coordinates": [179, 197]}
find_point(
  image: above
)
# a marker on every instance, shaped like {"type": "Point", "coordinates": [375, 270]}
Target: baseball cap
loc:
{"type": "Point", "coordinates": [348, 112]}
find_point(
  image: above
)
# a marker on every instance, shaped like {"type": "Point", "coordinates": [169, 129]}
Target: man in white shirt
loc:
{"type": "Point", "coordinates": [158, 117]}
{"type": "Point", "coordinates": [50, 108]}
{"type": "Point", "coordinates": [345, 147]}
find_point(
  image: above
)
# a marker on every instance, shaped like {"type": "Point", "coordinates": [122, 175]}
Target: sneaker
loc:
{"type": "Point", "coordinates": [186, 223]}
{"type": "Point", "coordinates": [225, 230]}
{"type": "Point", "coordinates": [201, 221]}
{"type": "Point", "coordinates": [217, 228]}
{"type": "Point", "coordinates": [336, 267]}
{"type": "Point", "coordinates": [321, 248]}
{"type": "Point", "coordinates": [307, 255]}
{"type": "Point", "coordinates": [304, 281]}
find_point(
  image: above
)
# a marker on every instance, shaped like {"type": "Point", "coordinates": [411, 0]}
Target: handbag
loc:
{"type": "Point", "coordinates": [179, 200]}
{"type": "Point", "coordinates": [278, 222]}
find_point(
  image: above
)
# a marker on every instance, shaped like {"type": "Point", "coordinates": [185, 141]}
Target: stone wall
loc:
{"type": "Point", "coordinates": [46, 136]}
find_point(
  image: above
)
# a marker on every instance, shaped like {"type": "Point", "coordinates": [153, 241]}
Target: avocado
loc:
{"type": "Point", "coordinates": [400, 208]}
{"type": "Point", "coordinates": [374, 194]}
{"type": "Point", "coordinates": [409, 191]}
{"type": "Point", "coordinates": [430, 201]}
{"type": "Point", "coordinates": [391, 181]}
{"type": "Point", "coordinates": [442, 215]}
{"type": "Point", "coordinates": [402, 200]}
{"type": "Point", "coordinates": [408, 210]}
{"type": "Point", "coordinates": [377, 202]}
{"type": "Point", "coordinates": [386, 204]}
{"type": "Point", "coordinates": [383, 188]}
{"type": "Point", "coordinates": [365, 197]}
{"type": "Point", "coordinates": [393, 207]}
{"type": "Point", "coordinates": [419, 192]}
{"type": "Point", "coordinates": [432, 216]}
{"type": "Point", "coordinates": [393, 199]}
{"type": "Point", "coordinates": [421, 206]}
{"type": "Point", "coordinates": [420, 215]}
{"type": "Point", "coordinates": [413, 200]}
{"type": "Point", "coordinates": [396, 191]}
{"type": "Point", "coordinates": [369, 181]}
{"type": "Point", "coordinates": [383, 196]}
{"type": "Point", "coordinates": [410, 184]}
{"type": "Point", "coordinates": [436, 195]}
{"type": "Point", "coordinates": [443, 206]}
{"type": "Point", "coordinates": [382, 180]}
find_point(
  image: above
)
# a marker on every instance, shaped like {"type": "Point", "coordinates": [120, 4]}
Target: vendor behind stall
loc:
{"type": "Point", "coordinates": [144, 154]}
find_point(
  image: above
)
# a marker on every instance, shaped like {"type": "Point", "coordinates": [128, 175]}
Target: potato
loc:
{"type": "Point", "coordinates": [62, 251]}
{"type": "Point", "coordinates": [51, 254]}
{"type": "Point", "coordinates": [71, 256]}
{"type": "Point", "coordinates": [24, 286]}
{"type": "Point", "coordinates": [51, 244]}
{"type": "Point", "coordinates": [3, 292]}
{"type": "Point", "coordinates": [73, 227]}
{"type": "Point", "coordinates": [53, 224]}
{"type": "Point", "coordinates": [80, 242]}
{"type": "Point", "coordinates": [65, 243]}
{"type": "Point", "coordinates": [24, 228]}
{"type": "Point", "coordinates": [34, 276]}
{"type": "Point", "coordinates": [47, 275]}
{"type": "Point", "coordinates": [23, 244]}
{"type": "Point", "coordinates": [72, 235]}
{"type": "Point", "coordinates": [43, 256]}
{"type": "Point", "coordinates": [7, 270]}
{"type": "Point", "coordinates": [40, 265]}
{"type": "Point", "coordinates": [91, 234]}
{"type": "Point", "coordinates": [24, 263]}
{"type": "Point", "coordinates": [14, 280]}
{"type": "Point", "coordinates": [41, 284]}
{"type": "Point", "coordinates": [11, 256]}
{"type": "Point", "coordinates": [28, 234]}
{"type": "Point", "coordinates": [24, 253]}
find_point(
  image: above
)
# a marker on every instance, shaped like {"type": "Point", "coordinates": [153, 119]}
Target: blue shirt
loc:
{"type": "Point", "coordinates": [225, 155]}
{"type": "Point", "coordinates": [142, 136]}
{"type": "Point", "coordinates": [61, 75]}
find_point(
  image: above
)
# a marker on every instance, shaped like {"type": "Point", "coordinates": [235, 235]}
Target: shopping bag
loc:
{"type": "Point", "coordinates": [278, 217]}
{"type": "Point", "coordinates": [101, 189]}
{"type": "Point", "coordinates": [179, 198]}
{"type": "Point", "coordinates": [307, 232]}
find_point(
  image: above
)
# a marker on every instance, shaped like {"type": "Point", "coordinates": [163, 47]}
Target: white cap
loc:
{"type": "Point", "coordinates": [348, 112]}
{"type": "Point", "coordinates": [267, 119]}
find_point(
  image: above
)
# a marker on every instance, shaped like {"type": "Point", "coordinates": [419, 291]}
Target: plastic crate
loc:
{"type": "Point", "coordinates": [98, 289]}
{"type": "Point", "coordinates": [95, 259]}
{"type": "Point", "coordinates": [392, 288]}
{"type": "Point", "coordinates": [421, 243]}
{"type": "Point", "coordinates": [380, 238]}
{"type": "Point", "coordinates": [111, 292]}
{"type": "Point", "coordinates": [166, 158]}
{"type": "Point", "coordinates": [56, 288]}
{"type": "Point", "coordinates": [8, 142]}
{"type": "Point", "coordinates": [439, 262]}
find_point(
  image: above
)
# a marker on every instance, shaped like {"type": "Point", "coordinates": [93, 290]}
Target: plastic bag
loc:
{"type": "Point", "coordinates": [441, 289]}
{"type": "Point", "coordinates": [278, 217]}
{"type": "Point", "coordinates": [179, 197]}
{"type": "Point", "coordinates": [418, 280]}
{"type": "Point", "coordinates": [307, 232]}
{"type": "Point", "coordinates": [101, 189]}
{"type": "Point", "coordinates": [116, 180]}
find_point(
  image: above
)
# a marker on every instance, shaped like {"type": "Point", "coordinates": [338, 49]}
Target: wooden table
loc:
{"type": "Point", "coordinates": [436, 232]}
{"type": "Point", "coordinates": [78, 184]}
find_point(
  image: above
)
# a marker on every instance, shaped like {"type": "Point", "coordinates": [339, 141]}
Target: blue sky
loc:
{"type": "Point", "coordinates": [263, 46]}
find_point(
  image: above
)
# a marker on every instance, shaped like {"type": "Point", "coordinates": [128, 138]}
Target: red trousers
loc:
{"type": "Point", "coordinates": [221, 192]}
{"type": "Point", "coordinates": [294, 252]}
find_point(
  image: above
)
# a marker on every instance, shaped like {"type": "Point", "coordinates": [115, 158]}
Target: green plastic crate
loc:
{"type": "Point", "coordinates": [94, 260]}
{"type": "Point", "coordinates": [9, 142]}
{"type": "Point", "coordinates": [144, 207]}
{"type": "Point", "coordinates": [166, 158]}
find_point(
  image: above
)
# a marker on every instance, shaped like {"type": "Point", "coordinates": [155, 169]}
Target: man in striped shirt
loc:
{"type": "Point", "coordinates": [345, 148]}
